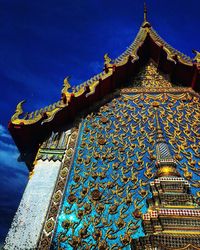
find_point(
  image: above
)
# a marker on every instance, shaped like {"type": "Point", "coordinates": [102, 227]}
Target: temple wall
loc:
{"type": "Point", "coordinates": [28, 221]}
{"type": "Point", "coordinates": [107, 189]}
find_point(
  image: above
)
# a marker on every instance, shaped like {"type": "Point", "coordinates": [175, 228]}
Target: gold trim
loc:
{"type": "Point", "coordinates": [181, 232]}
{"type": "Point", "coordinates": [179, 206]}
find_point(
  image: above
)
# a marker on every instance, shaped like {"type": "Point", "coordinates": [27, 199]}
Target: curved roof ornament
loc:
{"type": "Point", "coordinates": [66, 85]}
{"type": "Point", "coordinates": [65, 94]}
{"type": "Point", "coordinates": [197, 57]}
{"type": "Point", "coordinates": [107, 60]}
{"type": "Point", "coordinates": [18, 111]}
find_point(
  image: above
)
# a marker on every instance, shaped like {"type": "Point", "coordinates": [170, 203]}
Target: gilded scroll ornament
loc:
{"type": "Point", "coordinates": [197, 57]}
{"type": "Point", "coordinates": [107, 59]}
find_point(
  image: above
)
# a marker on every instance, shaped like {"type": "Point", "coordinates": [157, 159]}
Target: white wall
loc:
{"type": "Point", "coordinates": [28, 221]}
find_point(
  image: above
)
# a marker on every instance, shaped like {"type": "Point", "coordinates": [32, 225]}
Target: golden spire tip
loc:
{"type": "Point", "coordinates": [145, 12]}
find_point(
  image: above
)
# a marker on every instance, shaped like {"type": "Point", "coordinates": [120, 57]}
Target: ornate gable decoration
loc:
{"type": "Point", "coordinates": [149, 77]}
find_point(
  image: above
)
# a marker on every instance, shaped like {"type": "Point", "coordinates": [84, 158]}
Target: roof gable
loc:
{"type": "Point", "coordinates": [148, 45]}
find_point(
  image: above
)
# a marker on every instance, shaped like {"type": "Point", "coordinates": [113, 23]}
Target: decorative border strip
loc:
{"type": "Point", "coordinates": [157, 90]}
{"type": "Point", "coordinates": [57, 197]}
{"type": "Point", "coordinates": [50, 154]}
{"type": "Point", "coordinates": [171, 212]}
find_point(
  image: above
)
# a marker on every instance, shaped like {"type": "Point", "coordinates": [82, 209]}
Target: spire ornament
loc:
{"type": "Point", "coordinates": [145, 24]}
{"type": "Point", "coordinates": [165, 162]}
{"type": "Point", "coordinates": [145, 12]}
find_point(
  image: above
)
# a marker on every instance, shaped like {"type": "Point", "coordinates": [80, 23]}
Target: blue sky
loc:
{"type": "Point", "coordinates": [44, 41]}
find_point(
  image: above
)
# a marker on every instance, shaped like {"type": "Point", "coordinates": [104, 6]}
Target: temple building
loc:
{"type": "Point", "coordinates": [115, 163]}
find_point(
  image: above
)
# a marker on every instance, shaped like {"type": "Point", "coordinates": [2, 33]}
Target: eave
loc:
{"type": "Point", "coordinates": [29, 131]}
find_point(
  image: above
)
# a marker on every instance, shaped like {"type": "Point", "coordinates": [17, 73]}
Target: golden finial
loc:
{"type": "Point", "coordinates": [145, 12]}
{"type": "Point", "coordinates": [197, 57]}
{"type": "Point", "coordinates": [66, 81]}
{"type": "Point", "coordinates": [66, 85]}
{"type": "Point", "coordinates": [18, 111]}
{"type": "Point", "coordinates": [145, 24]}
{"type": "Point", "coordinates": [107, 59]}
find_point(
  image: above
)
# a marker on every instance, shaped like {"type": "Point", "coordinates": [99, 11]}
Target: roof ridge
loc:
{"type": "Point", "coordinates": [186, 57]}
{"type": "Point", "coordinates": [149, 29]}
{"type": "Point", "coordinates": [88, 87]}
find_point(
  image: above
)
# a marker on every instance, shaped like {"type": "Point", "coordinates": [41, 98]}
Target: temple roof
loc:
{"type": "Point", "coordinates": [181, 69]}
{"type": "Point", "coordinates": [147, 30]}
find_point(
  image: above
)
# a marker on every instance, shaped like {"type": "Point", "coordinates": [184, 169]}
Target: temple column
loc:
{"type": "Point", "coordinates": [28, 222]}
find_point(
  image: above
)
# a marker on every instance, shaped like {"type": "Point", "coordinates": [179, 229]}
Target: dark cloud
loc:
{"type": "Point", "coordinates": [13, 180]}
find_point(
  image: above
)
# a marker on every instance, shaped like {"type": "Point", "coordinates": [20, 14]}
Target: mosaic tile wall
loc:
{"type": "Point", "coordinates": [114, 162]}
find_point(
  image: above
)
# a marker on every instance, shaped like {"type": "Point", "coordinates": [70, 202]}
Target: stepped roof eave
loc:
{"type": "Point", "coordinates": [146, 44]}
{"type": "Point", "coordinates": [147, 29]}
